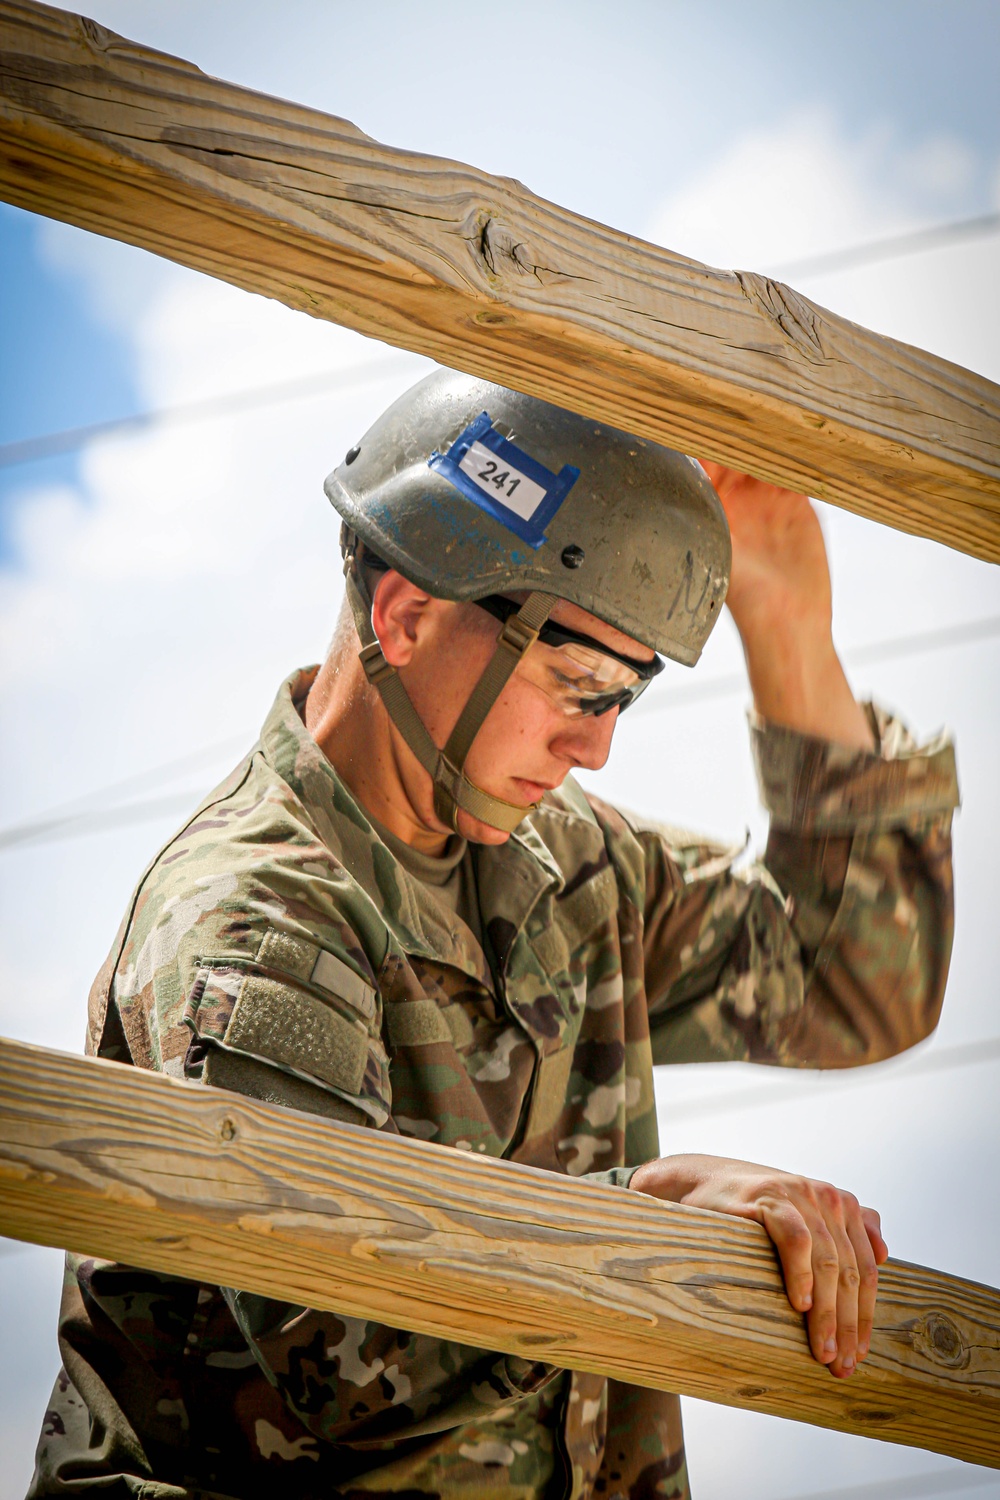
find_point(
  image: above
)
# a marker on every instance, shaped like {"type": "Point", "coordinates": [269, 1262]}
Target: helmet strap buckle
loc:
{"type": "Point", "coordinates": [377, 669]}
{"type": "Point", "coordinates": [517, 634]}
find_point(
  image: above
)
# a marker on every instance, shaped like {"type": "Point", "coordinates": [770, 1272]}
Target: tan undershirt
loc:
{"type": "Point", "coordinates": [450, 877]}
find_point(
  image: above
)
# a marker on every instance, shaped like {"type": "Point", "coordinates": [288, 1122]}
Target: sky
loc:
{"type": "Point", "coordinates": [158, 584]}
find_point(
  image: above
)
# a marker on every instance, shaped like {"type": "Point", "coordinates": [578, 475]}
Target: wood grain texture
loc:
{"type": "Point", "coordinates": [133, 1166]}
{"type": "Point", "coordinates": [480, 274]}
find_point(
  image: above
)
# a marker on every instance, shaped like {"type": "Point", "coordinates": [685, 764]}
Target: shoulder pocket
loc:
{"type": "Point", "coordinates": [332, 1041]}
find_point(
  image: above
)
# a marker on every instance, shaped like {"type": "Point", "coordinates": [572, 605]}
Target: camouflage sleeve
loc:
{"type": "Point", "coordinates": [832, 950]}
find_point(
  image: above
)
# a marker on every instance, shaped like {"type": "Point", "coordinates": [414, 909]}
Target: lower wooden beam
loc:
{"type": "Point", "coordinates": [137, 1167]}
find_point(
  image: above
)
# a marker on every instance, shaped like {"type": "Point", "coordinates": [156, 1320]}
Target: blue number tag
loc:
{"type": "Point", "coordinates": [503, 480]}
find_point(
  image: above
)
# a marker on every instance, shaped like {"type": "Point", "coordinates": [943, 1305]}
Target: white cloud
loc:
{"type": "Point", "coordinates": [157, 609]}
{"type": "Point", "coordinates": [805, 187]}
{"type": "Point", "coordinates": [943, 167]}
{"type": "Point", "coordinates": [199, 337]}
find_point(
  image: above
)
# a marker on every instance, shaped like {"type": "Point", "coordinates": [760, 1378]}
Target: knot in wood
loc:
{"type": "Point", "coordinates": [871, 1416]}
{"type": "Point", "coordinates": [98, 38]}
{"type": "Point", "coordinates": [492, 318]}
{"type": "Point", "coordinates": [509, 260]}
{"type": "Point", "coordinates": [227, 1130]}
{"type": "Point", "coordinates": [940, 1339]}
{"type": "Point", "coordinates": [791, 314]}
{"type": "Point", "coordinates": [536, 1340]}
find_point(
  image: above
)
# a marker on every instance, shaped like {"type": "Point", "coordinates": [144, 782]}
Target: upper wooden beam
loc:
{"type": "Point", "coordinates": [137, 1167]}
{"type": "Point", "coordinates": [478, 273]}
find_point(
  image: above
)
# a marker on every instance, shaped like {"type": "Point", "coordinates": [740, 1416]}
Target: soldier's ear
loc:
{"type": "Point", "coordinates": [399, 616]}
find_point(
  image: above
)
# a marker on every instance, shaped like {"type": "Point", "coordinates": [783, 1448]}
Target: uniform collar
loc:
{"type": "Point", "coordinates": [512, 877]}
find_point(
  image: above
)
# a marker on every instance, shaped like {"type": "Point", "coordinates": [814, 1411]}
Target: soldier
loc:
{"type": "Point", "coordinates": [400, 911]}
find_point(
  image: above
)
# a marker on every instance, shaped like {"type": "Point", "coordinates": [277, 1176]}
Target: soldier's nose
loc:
{"type": "Point", "coordinates": [587, 740]}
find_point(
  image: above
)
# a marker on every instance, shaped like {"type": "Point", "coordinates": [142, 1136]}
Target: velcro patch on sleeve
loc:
{"type": "Point", "coordinates": [459, 1025]}
{"type": "Point", "coordinates": [276, 1021]}
{"type": "Point", "coordinates": [288, 954]}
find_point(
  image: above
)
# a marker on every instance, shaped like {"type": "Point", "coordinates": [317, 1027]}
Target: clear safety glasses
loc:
{"type": "Point", "coordinates": [579, 674]}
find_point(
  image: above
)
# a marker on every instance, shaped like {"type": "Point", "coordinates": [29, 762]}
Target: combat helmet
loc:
{"type": "Point", "coordinates": [474, 492]}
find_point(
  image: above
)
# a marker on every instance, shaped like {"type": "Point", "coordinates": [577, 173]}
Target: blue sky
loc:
{"type": "Point", "coordinates": [62, 366]}
{"type": "Point", "coordinates": [155, 587]}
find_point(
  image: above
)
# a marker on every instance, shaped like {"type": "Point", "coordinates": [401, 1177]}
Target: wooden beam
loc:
{"type": "Point", "coordinates": [480, 274]}
{"type": "Point", "coordinates": [137, 1167]}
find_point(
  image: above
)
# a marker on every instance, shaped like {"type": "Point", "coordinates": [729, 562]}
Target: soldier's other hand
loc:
{"type": "Point", "coordinates": [830, 1247]}
{"type": "Point", "coordinates": [780, 598]}
{"type": "Point", "coordinates": [780, 573]}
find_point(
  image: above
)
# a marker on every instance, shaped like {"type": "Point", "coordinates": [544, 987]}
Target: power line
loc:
{"type": "Point", "coordinates": [928, 640]}
{"type": "Point", "coordinates": [898, 646]}
{"type": "Point", "coordinates": [103, 809]}
{"type": "Point", "coordinates": [167, 771]}
{"type": "Point", "coordinates": [100, 820]}
{"type": "Point", "coordinates": [72, 439]}
{"type": "Point", "coordinates": [932, 1060]}
{"type": "Point", "coordinates": [911, 1486]}
{"type": "Point", "coordinates": [87, 814]}
{"type": "Point", "coordinates": [891, 248]}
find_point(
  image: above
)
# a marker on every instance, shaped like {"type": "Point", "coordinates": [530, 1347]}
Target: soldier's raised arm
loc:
{"type": "Point", "coordinates": [833, 950]}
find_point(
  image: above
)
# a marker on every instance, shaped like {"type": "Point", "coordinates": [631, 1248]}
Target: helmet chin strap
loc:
{"type": "Point", "coordinates": [453, 791]}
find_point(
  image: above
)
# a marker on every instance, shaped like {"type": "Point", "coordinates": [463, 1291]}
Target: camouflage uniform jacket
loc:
{"type": "Point", "coordinates": [276, 947]}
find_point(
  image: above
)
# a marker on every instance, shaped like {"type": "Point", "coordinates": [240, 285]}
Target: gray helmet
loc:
{"type": "Point", "coordinates": [472, 491]}
{"type": "Point", "coordinates": [634, 534]}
